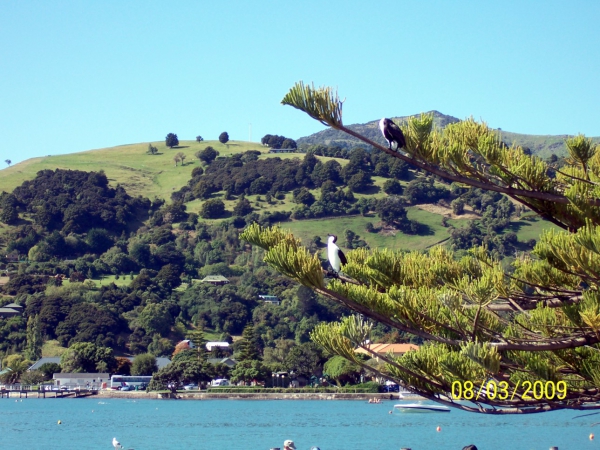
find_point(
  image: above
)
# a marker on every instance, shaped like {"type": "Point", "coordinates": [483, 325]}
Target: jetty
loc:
{"type": "Point", "coordinates": [40, 392]}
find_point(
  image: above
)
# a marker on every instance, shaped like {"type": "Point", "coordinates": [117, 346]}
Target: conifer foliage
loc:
{"type": "Point", "coordinates": [520, 342]}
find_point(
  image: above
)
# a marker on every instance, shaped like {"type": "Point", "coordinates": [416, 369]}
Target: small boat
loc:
{"type": "Point", "coordinates": [420, 407]}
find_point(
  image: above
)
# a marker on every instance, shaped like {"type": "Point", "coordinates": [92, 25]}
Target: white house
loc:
{"type": "Point", "coordinates": [272, 299]}
{"type": "Point", "coordinates": [211, 345]}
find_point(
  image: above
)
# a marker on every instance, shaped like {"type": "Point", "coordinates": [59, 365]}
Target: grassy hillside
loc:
{"type": "Point", "coordinates": [128, 165]}
{"type": "Point", "coordinates": [156, 175]}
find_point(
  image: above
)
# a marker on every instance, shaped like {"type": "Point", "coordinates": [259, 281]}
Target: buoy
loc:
{"type": "Point", "coordinates": [438, 429]}
{"type": "Point", "coordinates": [59, 422]}
{"type": "Point", "coordinates": [592, 437]}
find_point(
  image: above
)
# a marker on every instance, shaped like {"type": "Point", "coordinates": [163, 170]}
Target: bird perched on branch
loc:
{"type": "Point", "coordinates": [335, 255]}
{"type": "Point", "coordinates": [392, 134]}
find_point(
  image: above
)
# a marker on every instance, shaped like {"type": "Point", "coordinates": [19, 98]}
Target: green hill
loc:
{"type": "Point", "coordinates": [157, 176]}
{"type": "Point", "coordinates": [128, 165]}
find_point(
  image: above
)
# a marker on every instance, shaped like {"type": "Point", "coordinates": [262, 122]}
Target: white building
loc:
{"type": "Point", "coordinates": [211, 345]}
{"type": "Point", "coordinates": [83, 380]}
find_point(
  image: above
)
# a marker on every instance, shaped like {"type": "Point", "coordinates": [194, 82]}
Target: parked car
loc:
{"type": "Point", "coordinates": [191, 387]}
{"type": "Point", "coordinates": [220, 382]}
{"type": "Point", "coordinates": [127, 388]}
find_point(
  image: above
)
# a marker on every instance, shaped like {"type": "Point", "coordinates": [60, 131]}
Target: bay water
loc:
{"type": "Point", "coordinates": [144, 424]}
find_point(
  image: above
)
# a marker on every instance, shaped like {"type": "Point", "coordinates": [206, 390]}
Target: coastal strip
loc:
{"type": "Point", "coordinates": [247, 396]}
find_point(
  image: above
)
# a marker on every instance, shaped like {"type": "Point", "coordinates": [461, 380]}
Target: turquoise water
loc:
{"type": "Point", "coordinates": [260, 425]}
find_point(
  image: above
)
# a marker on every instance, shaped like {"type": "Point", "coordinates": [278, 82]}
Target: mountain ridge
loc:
{"type": "Point", "coordinates": [540, 145]}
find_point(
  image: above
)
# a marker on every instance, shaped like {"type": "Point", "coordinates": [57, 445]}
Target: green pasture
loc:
{"type": "Point", "coordinates": [131, 166]}
{"type": "Point", "coordinates": [435, 233]}
{"type": "Point", "coordinates": [52, 348]}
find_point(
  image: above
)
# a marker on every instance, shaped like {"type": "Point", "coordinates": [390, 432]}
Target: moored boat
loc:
{"type": "Point", "coordinates": [420, 407]}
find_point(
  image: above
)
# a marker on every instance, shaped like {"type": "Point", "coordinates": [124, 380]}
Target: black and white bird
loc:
{"type": "Point", "coordinates": [116, 444]}
{"type": "Point", "coordinates": [392, 134]}
{"type": "Point", "coordinates": [336, 257]}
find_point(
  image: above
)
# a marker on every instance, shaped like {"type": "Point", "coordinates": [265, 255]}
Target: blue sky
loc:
{"type": "Point", "coordinates": [79, 75]}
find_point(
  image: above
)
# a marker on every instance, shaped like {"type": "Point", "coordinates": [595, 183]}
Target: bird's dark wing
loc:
{"type": "Point", "coordinates": [398, 134]}
{"type": "Point", "coordinates": [342, 257]}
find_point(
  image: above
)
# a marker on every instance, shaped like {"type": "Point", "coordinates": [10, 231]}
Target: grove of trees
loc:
{"type": "Point", "coordinates": [498, 334]}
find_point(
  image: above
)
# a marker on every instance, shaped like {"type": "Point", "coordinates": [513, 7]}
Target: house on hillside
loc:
{"type": "Point", "coordinates": [271, 299]}
{"type": "Point", "coordinates": [216, 280]}
{"type": "Point", "coordinates": [48, 359]}
{"type": "Point", "coordinates": [12, 257]}
{"type": "Point", "coordinates": [221, 345]}
{"type": "Point", "coordinates": [384, 349]}
{"type": "Point", "coordinates": [229, 362]}
{"type": "Point", "coordinates": [186, 344]}
{"type": "Point", "coordinates": [11, 310]}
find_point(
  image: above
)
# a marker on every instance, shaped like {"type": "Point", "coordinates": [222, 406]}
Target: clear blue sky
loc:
{"type": "Point", "coordinates": [79, 75]}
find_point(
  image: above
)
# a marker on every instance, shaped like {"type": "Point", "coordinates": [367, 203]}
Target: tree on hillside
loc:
{"type": "Point", "coordinates": [8, 161]}
{"type": "Point", "coordinates": [179, 157]}
{"type": "Point", "coordinates": [171, 140]}
{"type": "Point", "coordinates": [224, 137]}
{"type": "Point", "coordinates": [212, 209]}
{"type": "Point", "coordinates": [199, 138]}
{"type": "Point", "coordinates": [9, 215]}
{"type": "Point", "coordinates": [199, 341]}
{"type": "Point", "coordinates": [250, 370]}
{"type": "Point", "coordinates": [87, 357]}
{"type": "Point", "coordinates": [275, 141]}
{"type": "Point", "coordinates": [207, 155]}
{"type": "Point", "coordinates": [35, 339]}
{"type": "Point", "coordinates": [521, 342]}
{"type": "Point", "coordinates": [18, 365]}
{"type": "Point", "coordinates": [49, 369]}
{"type": "Point", "coordinates": [152, 150]}
{"type": "Point", "coordinates": [342, 370]}
{"type": "Point", "coordinates": [392, 187]}
{"type": "Point", "coordinates": [248, 348]}
{"type": "Point", "coordinates": [144, 364]}
{"type": "Point", "coordinates": [242, 207]}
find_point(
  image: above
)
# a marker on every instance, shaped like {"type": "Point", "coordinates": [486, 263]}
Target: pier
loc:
{"type": "Point", "coordinates": [40, 392]}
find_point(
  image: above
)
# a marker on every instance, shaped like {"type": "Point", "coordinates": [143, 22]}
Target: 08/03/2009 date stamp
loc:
{"type": "Point", "coordinates": [493, 390]}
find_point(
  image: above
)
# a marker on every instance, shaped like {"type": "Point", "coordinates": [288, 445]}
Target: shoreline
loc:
{"type": "Point", "coordinates": [185, 395]}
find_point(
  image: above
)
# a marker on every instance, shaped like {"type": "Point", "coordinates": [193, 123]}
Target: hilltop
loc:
{"type": "Point", "coordinates": [156, 175]}
{"type": "Point", "coordinates": [128, 165]}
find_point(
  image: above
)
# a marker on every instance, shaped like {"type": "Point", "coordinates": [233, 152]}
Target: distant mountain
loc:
{"type": "Point", "coordinates": [369, 130]}
{"type": "Point", "coordinates": [541, 145]}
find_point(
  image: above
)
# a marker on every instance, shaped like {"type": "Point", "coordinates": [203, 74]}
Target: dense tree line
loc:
{"type": "Point", "coordinates": [276, 141]}
{"type": "Point", "coordinates": [74, 201]}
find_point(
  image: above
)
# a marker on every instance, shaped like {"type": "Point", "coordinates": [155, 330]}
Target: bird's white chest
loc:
{"type": "Point", "coordinates": [334, 257]}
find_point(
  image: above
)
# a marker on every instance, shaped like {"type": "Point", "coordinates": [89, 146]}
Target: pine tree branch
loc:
{"type": "Point", "coordinates": [545, 196]}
